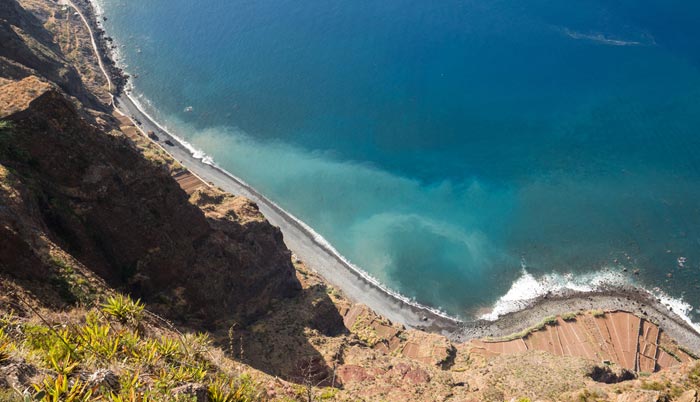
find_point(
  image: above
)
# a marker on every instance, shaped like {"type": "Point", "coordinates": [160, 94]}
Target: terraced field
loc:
{"type": "Point", "coordinates": [617, 337]}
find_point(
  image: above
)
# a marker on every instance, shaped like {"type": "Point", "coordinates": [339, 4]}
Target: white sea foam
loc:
{"type": "Point", "coordinates": [97, 7]}
{"type": "Point", "coordinates": [678, 306]}
{"type": "Point", "coordinates": [527, 289]}
{"type": "Point", "coordinates": [602, 38]}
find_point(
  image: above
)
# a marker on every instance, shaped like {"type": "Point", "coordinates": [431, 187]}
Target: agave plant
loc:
{"type": "Point", "coordinates": [64, 366]}
{"type": "Point", "coordinates": [100, 339]}
{"type": "Point", "coordinates": [124, 309]}
{"type": "Point", "coordinates": [229, 390]}
{"type": "Point", "coordinates": [4, 345]}
{"type": "Point", "coordinates": [59, 389]}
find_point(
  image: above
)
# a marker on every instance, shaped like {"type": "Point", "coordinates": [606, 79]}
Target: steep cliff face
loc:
{"type": "Point", "coordinates": [94, 195]}
{"type": "Point", "coordinates": [29, 49]}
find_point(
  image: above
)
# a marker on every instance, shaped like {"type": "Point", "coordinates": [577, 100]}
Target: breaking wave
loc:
{"type": "Point", "coordinates": [527, 289]}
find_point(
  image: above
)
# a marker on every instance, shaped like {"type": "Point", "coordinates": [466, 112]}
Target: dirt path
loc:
{"type": "Point", "coordinates": [95, 48]}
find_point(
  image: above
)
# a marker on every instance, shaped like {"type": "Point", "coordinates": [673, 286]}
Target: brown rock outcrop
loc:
{"type": "Point", "coordinates": [639, 396]}
{"type": "Point", "coordinates": [688, 396]}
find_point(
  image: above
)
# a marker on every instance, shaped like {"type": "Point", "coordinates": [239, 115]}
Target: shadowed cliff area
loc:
{"type": "Point", "coordinates": [127, 220]}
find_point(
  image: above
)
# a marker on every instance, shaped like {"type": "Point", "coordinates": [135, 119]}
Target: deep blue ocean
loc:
{"type": "Point", "coordinates": [450, 148]}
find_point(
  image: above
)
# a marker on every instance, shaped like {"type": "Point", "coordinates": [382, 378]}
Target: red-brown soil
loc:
{"type": "Point", "coordinates": [616, 337]}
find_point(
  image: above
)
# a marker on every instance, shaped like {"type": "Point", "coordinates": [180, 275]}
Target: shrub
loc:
{"type": "Point", "coordinates": [5, 127]}
{"type": "Point", "coordinates": [130, 390]}
{"type": "Point", "coordinates": [551, 320]}
{"type": "Point", "coordinates": [169, 348]}
{"type": "Point", "coordinates": [171, 377]}
{"type": "Point", "coordinates": [671, 353]}
{"type": "Point", "coordinates": [598, 313]}
{"type": "Point", "coordinates": [196, 344]}
{"type": "Point", "coordinates": [4, 346]}
{"type": "Point", "coordinates": [694, 375]}
{"type": "Point", "coordinates": [242, 389]}
{"type": "Point", "coordinates": [99, 339]}
{"type": "Point", "coordinates": [653, 386]}
{"type": "Point", "coordinates": [63, 367]}
{"type": "Point", "coordinates": [59, 389]}
{"type": "Point", "coordinates": [124, 309]}
{"type": "Point", "coordinates": [51, 345]}
{"type": "Point", "coordinates": [569, 316]}
{"type": "Point", "coordinates": [688, 352]}
{"type": "Point", "coordinates": [329, 393]}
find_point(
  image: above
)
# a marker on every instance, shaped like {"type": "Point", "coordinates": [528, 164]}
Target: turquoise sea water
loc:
{"type": "Point", "coordinates": [443, 146]}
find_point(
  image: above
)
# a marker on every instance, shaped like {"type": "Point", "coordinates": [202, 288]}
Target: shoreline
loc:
{"type": "Point", "coordinates": [357, 285]}
{"type": "Point", "coordinates": [300, 239]}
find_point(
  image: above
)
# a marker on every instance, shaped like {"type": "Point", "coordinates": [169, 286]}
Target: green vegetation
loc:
{"type": "Point", "coordinates": [568, 317]}
{"type": "Point", "coordinates": [694, 375]}
{"type": "Point", "coordinates": [551, 320]}
{"type": "Point", "coordinates": [591, 396]}
{"type": "Point", "coordinates": [653, 386]}
{"type": "Point", "coordinates": [5, 127]}
{"type": "Point", "coordinates": [4, 346]}
{"type": "Point", "coordinates": [670, 353]}
{"type": "Point", "coordinates": [9, 145]}
{"type": "Point", "coordinates": [667, 388]}
{"type": "Point", "coordinates": [144, 367]}
{"type": "Point", "coordinates": [242, 389]}
{"type": "Point", "coordinates": [60, 389]}
{"type": "Point", "coordinates": [72, 287]}
{"type": "Point", "coordinates": [688, 352]}
{"type": "Point", "coordinates": [548, 321]}
{"type": "Point", "coordinates": [124, 309]}
{"type": "Point", "coordinates": [597, 313]}
{"type": "Point", "coordinates": [329, 393]}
